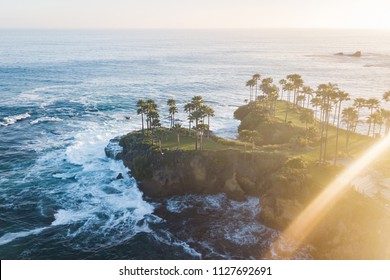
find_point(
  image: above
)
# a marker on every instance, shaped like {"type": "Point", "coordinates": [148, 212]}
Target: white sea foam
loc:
{"type": "Point", "coordinates": [9, 237]}
{"type": "Point", "coordinates": [46, 119]}
{"type": "Point", "coordinates": [13, 119]}
{"type": "Point", "coordinates": [64, 217]}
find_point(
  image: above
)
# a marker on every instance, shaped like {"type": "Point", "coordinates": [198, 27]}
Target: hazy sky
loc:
{"type": "Point", "coordinates": [99, 14]}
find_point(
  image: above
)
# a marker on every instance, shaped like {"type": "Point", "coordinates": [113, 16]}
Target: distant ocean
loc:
{"type": "Point", "coordinates": [65, 94]}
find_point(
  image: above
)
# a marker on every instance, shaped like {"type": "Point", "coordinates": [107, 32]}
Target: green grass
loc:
{"type": "Point", "coordinates": [187, 142]}
{"type": "Point", "coordinates": [358, 143]}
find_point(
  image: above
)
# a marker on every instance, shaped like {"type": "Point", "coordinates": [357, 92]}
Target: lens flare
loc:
{"type": "Point", "coordinates": [303, 225]}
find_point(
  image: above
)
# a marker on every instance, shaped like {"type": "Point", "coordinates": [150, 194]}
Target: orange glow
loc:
{"type": "Point", "coordinates": [303, 225]}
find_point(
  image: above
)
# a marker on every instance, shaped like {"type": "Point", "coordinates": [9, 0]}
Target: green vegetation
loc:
{"type": "Point", "coordinates": [269, 123]}
{"type": "Point", "coordinates": [314, 134]}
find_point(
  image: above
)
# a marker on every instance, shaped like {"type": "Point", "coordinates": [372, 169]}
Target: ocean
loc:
{"type": "Point", "coordinates": [65, 94]}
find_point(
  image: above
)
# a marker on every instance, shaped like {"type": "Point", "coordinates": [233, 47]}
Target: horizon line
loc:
{"type": "Point", "coordinates": [195, 29]}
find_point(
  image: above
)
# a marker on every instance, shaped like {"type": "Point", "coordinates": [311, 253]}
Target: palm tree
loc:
{"type": "Point", "coordinates": [376, 118]}
{"type": "Point", "coordinates": [250, 83]}
{"type": "Point", "coordinates": [282, 84]}
{"type": "Point", "coordinates": [172, 110]}
{"type": "Point", "coordinates": [141, 105]}
{"type": "Point", "coordinates": [197, 115]}
{"type": "Point", "coordinates": [359, 103]}
{"type": "Point", "coordinates": [350, 117]}
{"type": "Point", "coordinates": [151, 113]}
{"type": "Point", "coordinates": [256, 77]}
{"type": "Point", "coordinates": [188, 108]}
{"type": "Point", "coordinates": [315, 102]}
{"type": "Point", "coordinates": [341, 97]}
{"type": "Point", "coordinates": [177, 129]}
{"type": "Point", "coordinates": [209, 113]}
{"type": "Point", "coordinates": [306, 117]}
{"type": "Point", "coordinates": [371, 104]}
{"type": "Point", "coordinates": [386, 116]}
{"type": "Point", "coordinates": [326, 92]}
{"type": "Point", "coordinates": [289, 87]}
{"type": "Point", "coordinates": [273, 95]}
{"type": "Point", "coordinates": [297, 82]}
{"type": "Point", "coordinates": [301, 100]}
{"type": "Point", "coordinates": [306, 90]}
{"type": "Point", "coordinates": [386, 96]}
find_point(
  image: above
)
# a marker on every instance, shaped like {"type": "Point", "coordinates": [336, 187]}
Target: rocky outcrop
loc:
{"type": "Point", "coordinates": [355, 227]}
{"type": "Point", "coordinates": [355, 54]}
{"type": "Point", "coordinates": [179, 172]}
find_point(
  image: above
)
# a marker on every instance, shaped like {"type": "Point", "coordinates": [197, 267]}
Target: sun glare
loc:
{"type": "Point", "coordinates": [303, 225]}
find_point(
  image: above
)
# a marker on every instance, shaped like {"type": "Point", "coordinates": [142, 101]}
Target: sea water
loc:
{"type": "Point", "coordinates": [65, 94]}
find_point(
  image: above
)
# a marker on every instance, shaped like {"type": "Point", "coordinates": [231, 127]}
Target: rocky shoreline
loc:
{"type": "Point", "coordinates": [355, 228]}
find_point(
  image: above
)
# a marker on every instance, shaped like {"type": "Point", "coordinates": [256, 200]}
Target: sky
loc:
{"type": "Point", "coordinates": [194, 14]}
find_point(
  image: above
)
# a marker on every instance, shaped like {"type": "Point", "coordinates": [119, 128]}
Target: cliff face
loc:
{"type": "Point", "coordinates": [180, 172]}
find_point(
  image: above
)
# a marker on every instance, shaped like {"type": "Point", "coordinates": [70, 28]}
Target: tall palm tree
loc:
{"type": "Point", "coordinates": [177, 129]}
{"type": "Point", "coordinates": [301, 100]}
{"type": "Point", "coordinates": [350, 117]}
{"type": "Point", "coordinates": [377, 119]}
{"type": "Point", "coordinates": [282, 84]}
{"type": "Point", "coordinates": [386, 96]}
{"type": "Point", "coordinates": [386, 117]}
{"type": "Point", "coordinates": [326, 92]}
{"type": "Point", "coordinates": [266, 88]}
{"type": "Point", "coordinates": [188, 108]}
{"type": "Point", "coordinates": [306, 117]}
{"type": "Point", "coordinates": [141, 110]}
{"type": "Point", "coordinates": [151, 114]}
{"type": "Point", "coordinates": [297, 82]}
{"type": "Point", "coordinates": [250, 83]}
{"type": "Point", "coordinates": [371, 104]}
{"type": "Point", "coordinates": [359, 103]}
{"type": "Point", "coordinates": [256, 77]}
{"type": "Point", "coordinates": [172, 109]}
{"type": "Point", "coordinates": [341, 97]}
{"type": "Point", "coordinates": [306, 90]}
{"type": "Point", "coordinates": [289, 87]}
{"type": "Point", "coordinates": [197, 115]}
{"type": "Point", "coordinates": [315, 102]}
{"type": "Point", "coordinates": [210, 113]}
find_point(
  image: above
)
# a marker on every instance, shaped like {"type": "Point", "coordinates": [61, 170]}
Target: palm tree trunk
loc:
{"type": "Point", "coordinates": [142, 117]}
{"type": "Point", "coordinates": [326, 134]}
{"type": "Point", "coordinates": [196, 139]}
{"type": "Point", "coordinates": [322, 132]}
{"type": "Point", "coordinates": [208, 126]}
{"type": "Point", "coordinates": [337, 135]}
{"type": "Point", "coordinates": [358, 111]}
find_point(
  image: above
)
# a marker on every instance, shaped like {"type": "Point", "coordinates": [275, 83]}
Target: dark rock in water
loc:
{"type": "Point", "coordinates": [119, 177]}
{"type": "Point", "coordinates": [357, 54]}
{"type": "Point", "coordinates": [127, 117]}
{"type": "Point", "coordinates": [113, 150]}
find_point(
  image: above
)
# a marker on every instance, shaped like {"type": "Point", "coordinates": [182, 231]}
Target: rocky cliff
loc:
{"type": "Point", "coordinates": [178, 172]}
{"type": "Point", "coordinates": [355, 228]}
